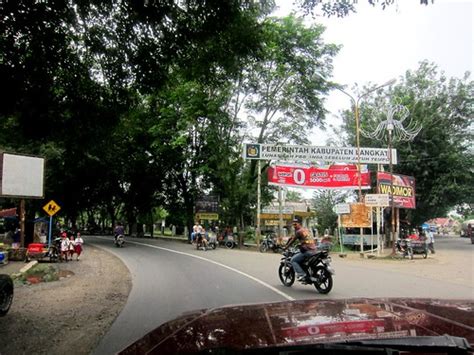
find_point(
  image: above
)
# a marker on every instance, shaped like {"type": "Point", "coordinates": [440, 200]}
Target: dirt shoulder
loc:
{"type": "Point", "coordinates": [70, 315]}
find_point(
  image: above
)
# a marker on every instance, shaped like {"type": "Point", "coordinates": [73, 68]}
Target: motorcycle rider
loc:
{"type": "Point", "coordinates": [307, 248]}
{"type": "Point", "coordinates": [119, 230]}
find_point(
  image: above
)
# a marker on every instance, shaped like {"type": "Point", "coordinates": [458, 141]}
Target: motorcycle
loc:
{"type": "Point", "coordinates": [269, 242]}
{"type": "Point", "coordinates": [212, 242]}
{"type": "Point", "coordinates": [317, 267]}
{"type": "Point", "coordinates": [408, 247]}
{"type": "Point", "coordinates": [6, 294]}
{"type": "Point", "coordinates": [203, 243]}
{"type": "Point", "coordinates": [403, 248]}
{"type": "Point", "coordinates": [119, 241]}
{"type": "Point", "coordinates": [228, 241]}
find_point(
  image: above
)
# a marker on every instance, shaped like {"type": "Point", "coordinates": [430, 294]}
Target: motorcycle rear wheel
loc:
{"type": "Point", "coordinates": [6, 294]}
{"type": "Point", "coordinates": [324, 280]}
{"type": "Point", "coordinates": [286, 274]}
{"type": "Point", "coordinates": [230, 245]}
{"type": "Point", "coordinates": [263, 247]}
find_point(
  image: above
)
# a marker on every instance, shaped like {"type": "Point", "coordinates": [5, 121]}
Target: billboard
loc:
{"type": "Point", "coordinates": [403, 189]}
{"type": "Point", "coordinates": [284, 152]}
{"type": "Point", "coordinates": [21, 176]}
{"type": "Point", "coordinates": [358, 218]}
{"type": "Point", "coordinates": [208, 203]}
{"type": "Point", "coordinates": [333, 177]}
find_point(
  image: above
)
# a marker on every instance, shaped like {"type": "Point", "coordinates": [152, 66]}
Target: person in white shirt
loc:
{"type": "Point", "coordinates": [197, 230]}
{"type": "Point", "coordinates": [78, 242]}
{"type": "Point", "coordinates": [430, 240]}
{"type": "Point", "coordinates": [64, 247]}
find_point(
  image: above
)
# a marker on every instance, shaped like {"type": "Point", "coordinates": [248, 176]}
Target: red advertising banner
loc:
{"type": "Point", "coordinates": [403, 189]}
{"type": "Point", "coordinates": [348, 327]}
{"type": "Point", "coordinates": [334, 177]}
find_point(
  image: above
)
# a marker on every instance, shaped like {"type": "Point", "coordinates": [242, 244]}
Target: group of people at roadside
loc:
{"type": "Point", "coordinates": [70, 245]}
{"type": "Point", "coordinates": [199, 234]}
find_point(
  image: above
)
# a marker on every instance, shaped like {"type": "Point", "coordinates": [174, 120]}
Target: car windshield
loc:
{"type": "Point", "coordinates": [185, 176]}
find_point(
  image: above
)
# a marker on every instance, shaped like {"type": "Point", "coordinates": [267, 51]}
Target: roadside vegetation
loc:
{"type": "Point", "coordinates": [141, 107]}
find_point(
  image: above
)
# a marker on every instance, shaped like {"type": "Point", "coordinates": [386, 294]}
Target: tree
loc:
{"type": "Point", "coordinates": [294, 196]}
{"type": "Point", "coordinates": [441, 156]}
{"type": "Point", "coordinates": [279, 89]}
{"type": "Point", "coordinates": [78, 72]}
{"type": "Point", "coordinates": [324, 202]}
{"type": "Point", "coordinates": [342, 8]}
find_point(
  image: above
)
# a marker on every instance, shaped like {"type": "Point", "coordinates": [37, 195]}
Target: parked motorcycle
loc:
{"type": "Point", "coordinates": [403, 248]}
{"type": "Point", "coordinates": [317, 267]}
{"type": "Point", "coordinates": [119, 241]}
{"type": "Point", "coordinates": [212, 242]}
{"type": "Point", "coordinates": [6, 294]}
{"type": "Point", "coordinates": [203, 243]}
{"type": "Point", "coordinates": [408, 247]}
{"type": "Point", "coordinates": [270, 243]}
{"type": "Point", "coordinates": [229, 241]}
{"type": "Point", "coordinates": [54, 250]}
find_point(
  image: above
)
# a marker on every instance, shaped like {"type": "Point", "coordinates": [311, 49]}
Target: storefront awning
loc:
{"type": "Point", "coordinates": [10, 212]}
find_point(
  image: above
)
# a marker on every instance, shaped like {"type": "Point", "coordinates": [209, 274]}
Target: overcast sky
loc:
{"type": "Point", "coordinates": [379, 45]}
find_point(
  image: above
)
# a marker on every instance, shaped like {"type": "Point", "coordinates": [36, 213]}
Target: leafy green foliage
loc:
{"type": "Point", "coordinates": [280, 89]}
{"type": "Point", "coordinates": [88, 88]}
{"type": "Point", "coordinates": [324, 202]}
{"type": "Point", "coordinates": [441, 156]}
{"type": "Point", "coordinates": [342, 8]}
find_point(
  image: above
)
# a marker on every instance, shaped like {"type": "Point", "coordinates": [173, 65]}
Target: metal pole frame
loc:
{"type": "Point", "coordinates": [50, 230]}
{"type": "Point", "coordinates": [392, 202]}
{"type": "Point", "coordinates": [259, 178]}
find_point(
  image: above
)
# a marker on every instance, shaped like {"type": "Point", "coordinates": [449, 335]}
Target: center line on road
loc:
{"type": "Point", "coordinates": [263, 283]}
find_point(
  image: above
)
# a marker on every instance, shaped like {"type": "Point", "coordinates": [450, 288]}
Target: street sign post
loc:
{"type": "Point", "coordinates": [342, 208]}
{"type": "Point", "coordinates": [51, 208]}
{"type": "Point", "coordinates": [377, 200]}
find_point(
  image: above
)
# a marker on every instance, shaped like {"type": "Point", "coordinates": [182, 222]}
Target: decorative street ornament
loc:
{"type": "Point", "coordinates": [394, 124]}
{"type": "Point", "coordinates": [396, 132]}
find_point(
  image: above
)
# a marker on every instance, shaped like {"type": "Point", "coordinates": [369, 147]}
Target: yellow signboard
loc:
{"type": "Point", "coordinates": [51, 208]}
{"type": "Point", "coordinates": [207, 216]}
{"type": "Point", "coordinates": [275, 216]}
{"type": "Point", "coordinates": [358, 218]}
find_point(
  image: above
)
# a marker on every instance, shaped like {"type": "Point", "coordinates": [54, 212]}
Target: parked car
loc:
{"type": "Point", "coordinates": [6, 294]}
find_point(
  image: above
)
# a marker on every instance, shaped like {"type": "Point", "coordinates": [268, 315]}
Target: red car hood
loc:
{"type": "Point", "coordinates": [308, 322]}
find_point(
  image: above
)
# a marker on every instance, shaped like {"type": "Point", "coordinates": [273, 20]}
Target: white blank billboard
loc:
{"type": "Point", "coordinates": [21, 176]}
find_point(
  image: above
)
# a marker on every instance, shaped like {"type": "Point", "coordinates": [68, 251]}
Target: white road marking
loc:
{"type": "Point", "coordinates": [263, 283]}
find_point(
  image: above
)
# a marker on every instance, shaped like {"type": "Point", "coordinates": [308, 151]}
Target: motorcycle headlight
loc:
{"type": "Point", "coordinates": [327, 261]}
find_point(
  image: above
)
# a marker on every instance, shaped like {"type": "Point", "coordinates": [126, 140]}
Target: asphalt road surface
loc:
{"type": "Point", "coordinates": [171, 278]}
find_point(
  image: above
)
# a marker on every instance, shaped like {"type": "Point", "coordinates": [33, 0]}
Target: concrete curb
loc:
{"type": "Point", "coordinates": [28, 266]}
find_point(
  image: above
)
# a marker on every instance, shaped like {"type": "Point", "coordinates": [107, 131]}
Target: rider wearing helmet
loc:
{"type": "Point", "coordinates": [307, 248]}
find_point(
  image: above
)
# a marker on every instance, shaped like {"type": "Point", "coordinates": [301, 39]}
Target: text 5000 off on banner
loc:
{"type": "Point", "coordinates": [336, 176]}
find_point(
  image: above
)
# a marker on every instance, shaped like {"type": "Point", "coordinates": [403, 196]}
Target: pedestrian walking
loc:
{"type": "Point", "coordinates": [78, 242]}
{"type": "Point", "coordinates": [71, 247]}
{"type": "Point", "coordinates": [64, 247]}
{"type": "Point", "coordinates": [430, 240]}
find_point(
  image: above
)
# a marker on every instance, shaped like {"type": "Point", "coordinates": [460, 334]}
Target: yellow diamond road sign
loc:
{"type": "Point", "coordinates": [51, 208]}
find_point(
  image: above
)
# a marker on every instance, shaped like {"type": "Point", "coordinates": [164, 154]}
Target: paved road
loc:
{"type": "Point", "coordinates": [170, 278]}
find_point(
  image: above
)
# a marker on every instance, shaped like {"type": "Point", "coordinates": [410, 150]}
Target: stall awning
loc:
{"type": "Point", "coordinates": [10, 212]}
